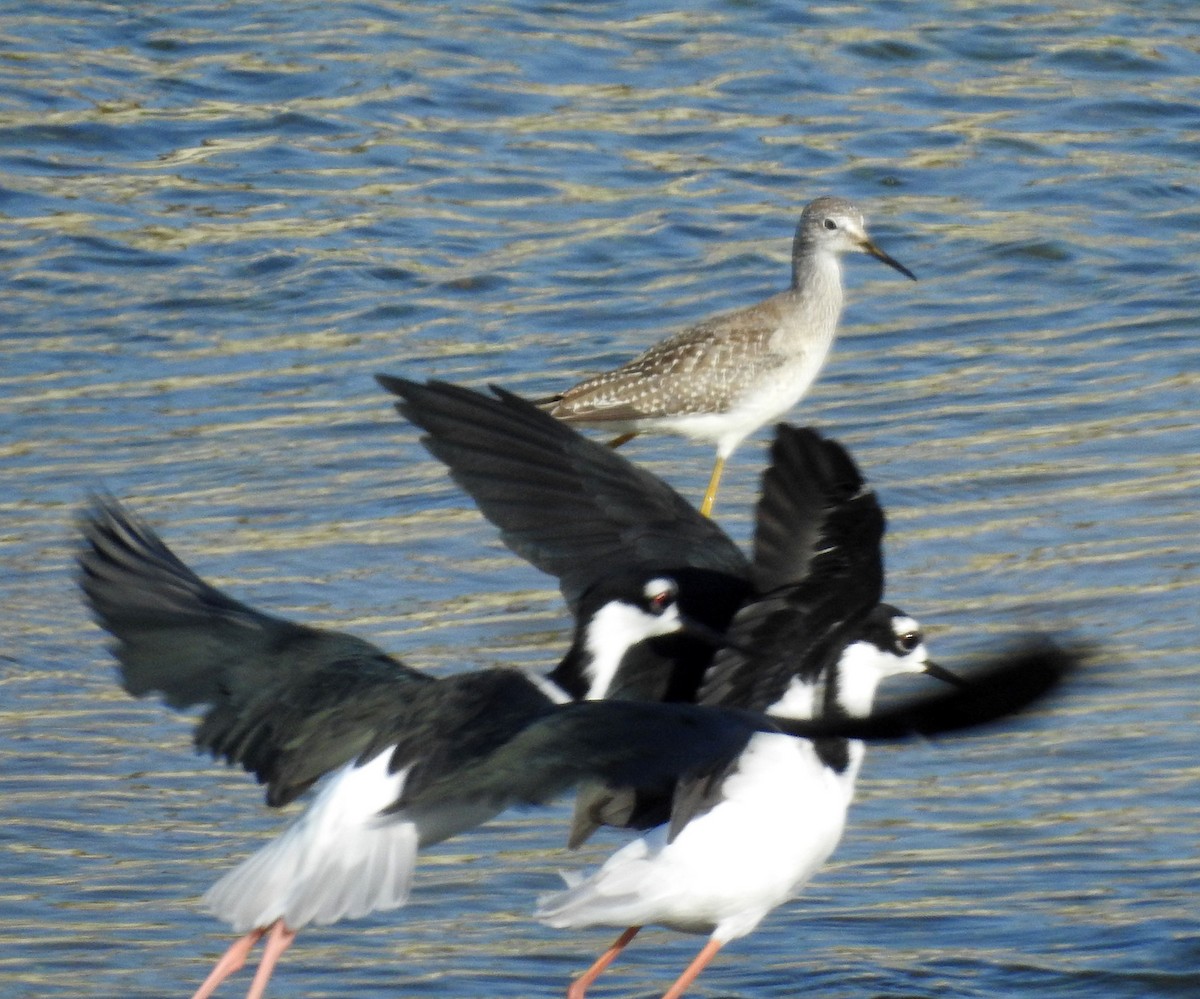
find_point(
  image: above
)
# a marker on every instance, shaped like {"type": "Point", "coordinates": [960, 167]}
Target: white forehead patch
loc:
{"type": "Point", "coordinates": [659, 586]}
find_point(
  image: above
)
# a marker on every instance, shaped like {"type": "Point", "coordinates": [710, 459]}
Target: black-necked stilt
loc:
{"type": "Point", "coordinates": [292, 703]}
{"type": "Point", "coordinates": [723, 378]}
{"type": "Point", "coordinates": [741, 840]}
{"type": "Point", "coordinates": [760, 799]}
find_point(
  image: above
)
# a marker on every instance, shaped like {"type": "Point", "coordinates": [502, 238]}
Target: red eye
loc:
{"type": "Point", "coordinates": [660, 595]}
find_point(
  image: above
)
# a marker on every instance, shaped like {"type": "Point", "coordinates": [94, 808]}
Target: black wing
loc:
{"type": "Point", "coordinates": [799, 626]}
{"type": "Point", "coordinates": [636, 744]}
{"type": "Point", "coordinates": [568, 505]}
{"type": "Point", "coordinates": [623, 744]}
{"type": "Point", "coordinates": [286, 701]}
{"type": "Point", "coordinates": [451, 726]}
{"type": "Point", "coordinates": [999, 687]}
{"type": "Point", "coordinates": [809, 480]}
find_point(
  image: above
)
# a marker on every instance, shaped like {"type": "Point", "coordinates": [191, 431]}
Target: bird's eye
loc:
{"type": "Point", "coordinates": [830, 224]}
{"type": "Point", "coordinates": [908, 641]}
{"type": "Point", "coordinates": [659, 598]}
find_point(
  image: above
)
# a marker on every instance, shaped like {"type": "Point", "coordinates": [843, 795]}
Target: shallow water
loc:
{"type": "Point", "coordinates": [215, 224]}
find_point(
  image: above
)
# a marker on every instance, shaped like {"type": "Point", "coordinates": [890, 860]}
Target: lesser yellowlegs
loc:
{"type": "Point", "coordinates": [722, 379]}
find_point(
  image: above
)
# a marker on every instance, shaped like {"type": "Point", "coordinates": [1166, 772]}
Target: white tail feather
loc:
{"type": "Point", "coordinates": [339, 860]}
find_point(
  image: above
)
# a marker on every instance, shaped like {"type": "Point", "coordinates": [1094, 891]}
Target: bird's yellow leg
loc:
{"type": "Point", "coordinates": [710, 494]}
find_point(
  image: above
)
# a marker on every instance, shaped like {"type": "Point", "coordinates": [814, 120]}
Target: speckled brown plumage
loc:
{"type": "Point", "coordinates": [722, 379]}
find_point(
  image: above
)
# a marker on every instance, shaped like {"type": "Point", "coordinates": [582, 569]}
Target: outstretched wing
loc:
{"type": "Point", "coordinates": [568, 505]}
{"type": "Point", "coordinates": [623, 744]}
{"type": "Point", "coordinates": [996, 688]}
{"type": "Point", "coordinates": [637, 744]}
{"type": "Point", "coordinates": [286, 701]}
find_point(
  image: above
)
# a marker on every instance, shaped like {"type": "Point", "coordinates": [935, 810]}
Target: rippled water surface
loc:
{"type": "Point", "coordinates": [216, 222]}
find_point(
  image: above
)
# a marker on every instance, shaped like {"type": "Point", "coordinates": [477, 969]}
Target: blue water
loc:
{"type": "Point", "coordinates": [217, 221]}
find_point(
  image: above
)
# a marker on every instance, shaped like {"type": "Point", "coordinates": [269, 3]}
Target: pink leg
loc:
{"type": "Point", "coordinates": [581, 984]}
{"type": "Point", "coordinates": [707, 952]}
{"type": "Point", "coordinates": [280, 939]}
{"type": "Point", "coordinates": [231, 961]}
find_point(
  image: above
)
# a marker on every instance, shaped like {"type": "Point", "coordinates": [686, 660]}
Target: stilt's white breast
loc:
{"type": "Point", "coordinates": [781, 815]}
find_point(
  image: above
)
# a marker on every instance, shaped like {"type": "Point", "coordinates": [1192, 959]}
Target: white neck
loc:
{"type": "Point", "coordinates": [858, 679]}
{"type": "Point", "coordinates": [612, 632]}
{"type": "Point", "coordinates": [861, 668]}
{"type": "Point", "coordinates": [816, 306]}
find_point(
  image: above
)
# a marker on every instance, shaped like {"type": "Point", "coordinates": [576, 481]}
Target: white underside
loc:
{"type": "Point", "coordinates": [769, 400]}
{"type": "Point", "coordinates": [340, 859]}
{"type": "Point", "coordinates": [782, 814]}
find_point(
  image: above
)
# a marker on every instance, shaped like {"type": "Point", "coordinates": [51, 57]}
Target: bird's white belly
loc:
{"type": "Point", "coordinates": [769, 398]}
{"type": "Point", "coordinates": [781, 816]}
